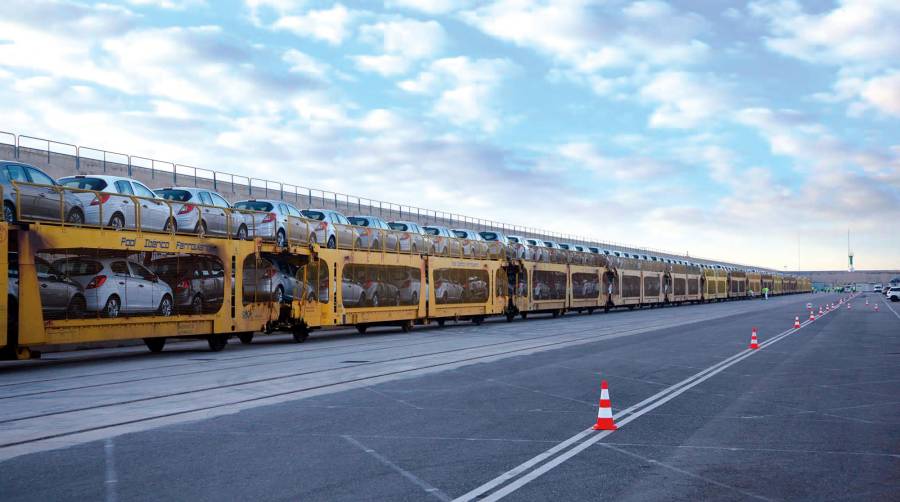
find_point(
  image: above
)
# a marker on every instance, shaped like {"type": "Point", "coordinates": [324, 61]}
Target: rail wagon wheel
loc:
{"type": "Point", "coordinates": [117, 221]}
{"type": "Point", "coordinates": [361, 329]}
{"type": "Point", "coordinates": [217, 342]}
{"type": "Point", "coordinates": [246, 337]}
{"type": "Point", "coordinates": [300, 333]}
{"type": "Point", "coordinates": [407, 326]}
{"type": "Point", "coordinates": [441, 322]}
{"type": "Point", "coordinates": [155, 344]}
{"type": "Point", "coordinates": [112, 307]}
{"type": "Point", "coordinates": [477, 320]}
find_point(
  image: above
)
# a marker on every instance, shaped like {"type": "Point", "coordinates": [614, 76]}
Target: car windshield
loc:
{"type": "Point", "coordinates": [402, 227]}
{"type": "Point", "coordinates": [431, 231]}
{"type": "Point", "coordinates": [172, 194]}
{"type": "Point", "coordinates": [168, 268]}
{"type": "Point", "coordinates": [359, 221]}
{"type": "Point", "coordinates": [314, 215]}
{"type": "Point", "coordinates": [254, 205]}
{"type": "Point", "coordinates": [514, 240]}
{"type": "Point", "coordinates": [78, 267]}
{"type": "Point", "coordinates": [84, 183]}
{"type": "Point", "coordinates": [489, 236]}
{"type": "Point", "coordinates": [461, 234]}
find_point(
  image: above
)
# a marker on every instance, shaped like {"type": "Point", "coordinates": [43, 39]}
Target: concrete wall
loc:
{"type": "Point", "coordinates": [841, 277]}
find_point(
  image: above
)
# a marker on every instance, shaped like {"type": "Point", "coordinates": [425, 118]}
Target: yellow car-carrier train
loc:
{"type": "Point", "coordinates": [71, 282]}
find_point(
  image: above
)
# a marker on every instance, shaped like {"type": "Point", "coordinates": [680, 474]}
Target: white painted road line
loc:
{"type": "Point", "coordinates": [421, 483]}
{"type": "Point", "coordinates": [522, 474]}
{"type": "Point", "coordinates": [888, 305]}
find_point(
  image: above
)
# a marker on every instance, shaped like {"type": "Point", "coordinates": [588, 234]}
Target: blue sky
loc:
{"type": "Point", "coordinates": [755, 132]}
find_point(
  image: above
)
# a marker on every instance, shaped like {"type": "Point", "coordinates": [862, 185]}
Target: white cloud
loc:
{"type": "Point", "coordinates": [428, 6]}
{"type": "Point", "coordinates": [684, 100]}
{"type": "Point", "coordinates": [331, 25]}
{"type": "Point", "coordinates": [403, 42]}
{"type": "Point", "coordinates": [855, 32]}
{"type": "Point", "coordinates": [594, 36]}
{"type": "Point", "coordinates": [588, 156]}
{"type": "Point", "coordinates": [305, 64]}
{"type": "Point", "coordinates": [168, 4]}
{"type": "Point", "coordinates": [464, 89]}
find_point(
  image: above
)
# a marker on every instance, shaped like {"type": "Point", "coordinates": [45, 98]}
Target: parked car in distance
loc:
{"type": "Point", "coordinates": [333, 229]}
{"type": "Point", "coordinates": [444, 241]}
{"type": "Point", "coordinates": [877, 288]}
{"type": "Point", "coordinates": [447, 291]}
{"type": "Point", "coordinates": [120, 211]}
{"type": "Point", "coordinates": [413, 238]}
{"type": "Point", "coordinates": [894, 294]}
{"type": "Point", "coordinates": [274, 220]}
{"type": "Point", "coordinates": [117, 286]}
{"type": "Point", "coordinates": [37, 202]}
{"type": "Point", "coordinates": [61, 297]}
{"type": "Point", "coordinates": [197, 282]}
{"type": "Point", "coordinates": [204, 212]}
{"type": "Point", "coordinates": [375, 233]}
{"type": "Point", "coordinates": [409, 285]}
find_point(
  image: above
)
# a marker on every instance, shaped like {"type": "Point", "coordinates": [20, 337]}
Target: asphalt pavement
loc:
{"type": "Point", "coordinates": [812, 415]}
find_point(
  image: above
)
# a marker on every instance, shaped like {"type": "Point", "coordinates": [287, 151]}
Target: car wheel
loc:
{"type": "Point", "coordinates": [332, 243]}
{"type": "Point", "coordinates": [76, 308]}
{"type": "Point", "coordinates": [117, 222]}
{"type": "Point", "coordinates": [171, 226]}
{"type": "Point", "coordinates": [414, 249]}
{"type": "Point", "coordinates": [9, 213]}
{"type": "Point", "coordinates": [242, 233]}
{"type": "Point", "coordinates": [281, 239]}
{"type": "Point", "coordinates": [200, 230]}
{"type": "Point", "coordinates": [246, 338]}
{"type": "Point", "coordinates": [443, 298]}
{"type": "Point", "coordinates": [112, 307]}
{"type": "Point", "coordinates": [376, 245]}
{"type": "Point", "coordinates": [217, 342]}
{"type": "Point", "coordinates": [197, 305]}
{"type": "Point", "coordinates": [373, 302]}
{"type": "Point", "coordinates": [278, 295]}
{"type": "Point", "coordinates": [415, 299]}
{"type": "Point", "coordinates": [76, 217]}
{"type": "Point", "coordinates": [165, 306]}
{"type": "Point", "coordinates": [358, 244]}
{"type": "Point", "coordinates": [155, 344]}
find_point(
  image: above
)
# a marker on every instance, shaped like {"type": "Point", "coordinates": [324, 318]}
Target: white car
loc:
{"type": "Point", "coordinates": [119, 211]}
{"type": "Point", "coordinates": [894, 294]}
{"type": "Point", "coordinates": [117, 286]}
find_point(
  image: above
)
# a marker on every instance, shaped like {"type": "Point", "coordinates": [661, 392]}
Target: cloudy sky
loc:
{"type": "Point", "coordinates": [757, 133]}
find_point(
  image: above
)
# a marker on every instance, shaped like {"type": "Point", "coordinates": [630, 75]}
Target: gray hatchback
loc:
{"type": "Point", "coordinates": [38, 198]}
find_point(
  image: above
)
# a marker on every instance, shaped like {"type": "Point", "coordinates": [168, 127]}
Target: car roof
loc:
{"type": "Point", "coordinates": [104, 177]}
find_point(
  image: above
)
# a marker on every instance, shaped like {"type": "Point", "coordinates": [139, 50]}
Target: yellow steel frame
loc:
{"type": "Point", "coordinates": [539, 305]}
{"type": "Point", "coordinates": [599, 300]}
{"type": "Point", "coordinates": [494, 305]}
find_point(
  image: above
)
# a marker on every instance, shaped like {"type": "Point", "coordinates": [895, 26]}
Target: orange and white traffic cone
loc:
{"type": "Point", "coordinates": [604, 413]}
{"type": "Point", "coordinates": [754, 343]}
{"type": "Point", "coordinates": [867, 300]}
{"type": "Point", "coordinates": [876, 307]}
{"type": "Point", "coordinates": [849, 306]}
{"type": "Point", "coordinates": [820, 311]}
{"type": "Point", "coordinates": [797, 322]}
{"type": "Point", "coordinates": [812, 317]}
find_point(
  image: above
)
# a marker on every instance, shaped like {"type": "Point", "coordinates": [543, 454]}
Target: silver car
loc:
{"type": "Point", "coordinates": [471, 245]}
{"type": "Point", "coordinates": [333, 229]}
{"type": "Point", "coordinates": [274, 220]}
{"type": "Point", "coordinates": [120, 211]}
{"type": "Point", "coordinates": [116, 286]}
{"type": "Point", "coordinates": [61, 297]}
{"type": "Point", "coordinates": [375, 233]}
{"type": "Point", "coordinates": [270, 280]}
{"type": "Point", "coordinates": [36, 202]}
{"type": "Point", "coordinates": [445, 242]}
{"type": "Point", "coordinates": [538, 249]}
{"type": "Point", "coordinates": [413, 237]}
{"type": "Point", "coordinates": [523, 249]}
{"type": "Point", "coordinates": [204, 212]}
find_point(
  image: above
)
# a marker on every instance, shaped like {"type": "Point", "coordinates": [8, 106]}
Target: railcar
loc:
{"type": "Point", "coordinates": [81, 284]}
